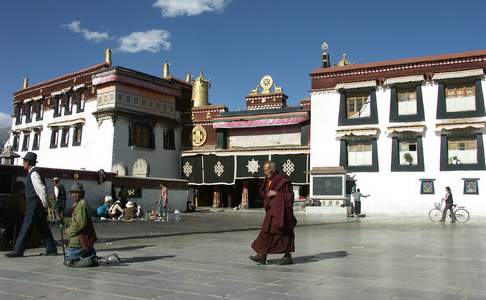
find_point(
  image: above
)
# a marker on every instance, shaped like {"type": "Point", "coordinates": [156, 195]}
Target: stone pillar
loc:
{"type": "Point", "coordinates": [216, 197]}
{"type": "Point", "coordinates": [244, 195]}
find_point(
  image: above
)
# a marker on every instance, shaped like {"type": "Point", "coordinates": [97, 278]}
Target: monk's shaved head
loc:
{"type": "Point", "coordinates": [269, 168]}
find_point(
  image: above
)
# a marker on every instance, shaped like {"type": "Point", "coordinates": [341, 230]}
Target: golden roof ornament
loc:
{"type": "Point", "coordinates": [266, 83]}
{"type": "Point", "coordinates": [108, 56]}
{"type": "Point", "coordinates": [26, 83]}
{"type": "Point", "coordinates": [325, 47]}
{"type": "Point", "coordinates": [344, 61]}
{"type": "Point", "coordinates": [166, 70]}
{"type": "Point", "coordinates": [200, 91]}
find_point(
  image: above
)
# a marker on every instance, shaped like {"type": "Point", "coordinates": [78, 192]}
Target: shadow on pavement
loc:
{"type": "Point", "coordinates": [138, 259]}
{"type": "Point", "coordinates": [126, 248]}
{"type": "Point", "coordinates": [312, 258]}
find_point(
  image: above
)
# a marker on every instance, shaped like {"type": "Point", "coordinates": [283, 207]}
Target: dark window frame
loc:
{"type": "Point", "coordinates": [466, 180]}
{"type": "Point", "coordinates": [28, 112]}
{"type": "Point", "coordinates": [394, 115]}
{"type": "Point", "coordinates": [75, 133]}
{"type": "Point", "coordinates": [343, 159]}
{"type": "Point", "coordinates": [343, 119]}
{"type": "Point", "coordinates": [395, 157]}
{"type": "Point", "coordinates": [132, 131]}
{"type": "Point", "coordinates": [65, 133]}
{"type": "Point", "coordinates": [18, 114]}
{"type": "Point", "coordinates": [54, 138]}
{"type": "Point", "coordinates": [67, 104]}
{"type": "Point", "coordinates": [39, 110]}
{"type": "Point", "coordinates": [422, 182]}
{"type": "Point", "coordinates": [36, 140]}
{"type": "Point", "coordinates": [441, 101]}
{"type": "Point", "coordinates": [15, 142]}
{"type": "Point", "coordinates": [26, 141]}
{"type": "Point", "coordinates": [57, 106]}
{"type": "Point", "coordinates": [444, 153]}
{"type": "Point", "coordinates": [169, 139]}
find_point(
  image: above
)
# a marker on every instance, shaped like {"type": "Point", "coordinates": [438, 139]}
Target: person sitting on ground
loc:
{"type": "Point", "coordinates": [81, 233]}
{"type": "Point", "coordinates": [103, 210]}
{"type": "Point", "coordinates": [130, 212]}
{"type": "Point", "coordinates": [116, 211]}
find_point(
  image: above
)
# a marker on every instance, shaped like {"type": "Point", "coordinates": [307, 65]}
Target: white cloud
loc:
{"type": "Point", "coordinates": [95, 36]}
{"type": "Point", "coordinates": [152, 40]}
{"type": "Point", "coordinates": [174, 8]}
{"type": "Point", "coordinates": [5, 120]}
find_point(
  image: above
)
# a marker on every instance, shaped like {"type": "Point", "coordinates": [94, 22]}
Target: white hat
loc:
{"type": "Point", "coordinates": [108, 199]}
{"type": "Point", "coordinates": [130, 204]}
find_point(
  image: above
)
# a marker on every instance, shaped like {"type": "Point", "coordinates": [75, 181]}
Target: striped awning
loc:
{"type": "Point", "coordinates": [460, 125]}
{"type": "Point", "coordinates": [458, 74]}
{"type": "Point", "coordinates": [340, 133]}
{"type": "Point", "coordinates": [405, 128]}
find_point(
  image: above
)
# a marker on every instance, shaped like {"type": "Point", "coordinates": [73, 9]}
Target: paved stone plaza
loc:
{"type": "Point", "coordinates": [204, 256]}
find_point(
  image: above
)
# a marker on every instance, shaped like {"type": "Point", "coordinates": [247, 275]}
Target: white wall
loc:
{"type": "Point", "coordinates": [394, 192]}
{"type": "Point", "coordinates": [94, 153]}
{"type": "Point", "coordinates": [163, 163]}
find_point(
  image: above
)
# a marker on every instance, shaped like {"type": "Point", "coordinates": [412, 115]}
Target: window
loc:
{"type": "Point", "coordinates": [169, 139]}
{"type": "Point", "coordinates": [39, 110]}
{"type": "Point", "coordinates": [57, 106]}
{"type": "Point", "coordinates": [462, 151]}
{"type": "Point", "coordinates": [28, 112]}
{"type": "Point", "coordinates": [460, 97]}
{"type": "Point", "coordinates": [54, 137]}
{"type": "Point", "coordinates": [358, 106]}
{"type": "Point", "coordinates": [407, 153]}
{"type": "Point", "coordinates": [18, 115]}
{"type": "Point", "coordinates": [15, 142]}
{"type": "Point", "coordinates": [359, 155]}
{"type": "Point", "coordinates": [78, 133]}
{"type": "Point", "coordinates": [471, 186]}
{"type": "Point", "coordinates": [141, 135]}
{"type": "Point", "coordinates": [65, 137]}
{"type": "Point", "coordinates": [81, 101]}
{"type": "Point", "coordinates": [427, 186]}
{"type": "Point", "coordinates": [67, 99]}
{"type": "Point", "coordinates": [25, 143]}
{"type": "Point", "coordinates": [406, 104]}
{"type": "Point", "coordinates": [36, 141]}
{"type": "Point", "coordinates": [407, 101]}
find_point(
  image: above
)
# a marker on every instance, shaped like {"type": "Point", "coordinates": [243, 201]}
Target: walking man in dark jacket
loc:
{"type": "Point", "coordinates": [35, 213]}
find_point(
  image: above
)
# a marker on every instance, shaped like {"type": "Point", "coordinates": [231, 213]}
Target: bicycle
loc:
{"type": "Point", "coordinates": [460, 212]}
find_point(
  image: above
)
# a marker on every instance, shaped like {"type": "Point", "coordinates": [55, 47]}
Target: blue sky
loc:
{"type": "Point", "coordinates": [234, 42]}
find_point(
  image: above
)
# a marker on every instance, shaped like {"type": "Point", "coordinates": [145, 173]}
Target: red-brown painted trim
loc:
{"type": "Point", "coordinates": [325, 78]}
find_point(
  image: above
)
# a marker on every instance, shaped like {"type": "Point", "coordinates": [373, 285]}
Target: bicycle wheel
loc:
{"type": "Point", "coordinates": [462, 215]}
{"type": "Point", "coordinates": [435, 215]}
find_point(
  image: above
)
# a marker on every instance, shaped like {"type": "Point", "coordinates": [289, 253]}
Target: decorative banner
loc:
{"type": "Point", "coordinates": [292, 165]}
{"type": "Point", "coordinates": [260, 123]}
{"type": "Point", "coordinates": [427, 186]}
{"type": "Point", "coordinates": [219, 169]}
{"type": "Point", "coordinates": [250, 166]}
{"type": "Point", "coordinates": [192, 169]}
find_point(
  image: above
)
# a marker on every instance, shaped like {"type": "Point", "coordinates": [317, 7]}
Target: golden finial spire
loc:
{"type": "Point", "coordinates": [26, 82]}
{"type": "Point", "coordinates": [108, 56]}
{"type": "Point", "coordinates": [166, 72]}
{"type": "Point", "coordinates": [344, 61]}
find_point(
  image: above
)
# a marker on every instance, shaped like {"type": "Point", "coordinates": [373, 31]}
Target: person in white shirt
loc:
{"type": "Point", "coordinates": [357, 202]}
{"type": "Point", "coordinates": [36, 210]}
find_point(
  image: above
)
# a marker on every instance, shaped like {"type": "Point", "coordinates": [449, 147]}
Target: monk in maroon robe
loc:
{"type": "Point", "coordinates": [277, 232]}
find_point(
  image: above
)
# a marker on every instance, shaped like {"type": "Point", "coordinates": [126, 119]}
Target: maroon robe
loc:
{"type": "Point", "coordinates": [277, 232]}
